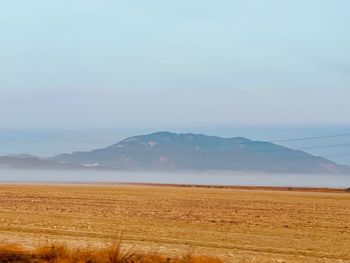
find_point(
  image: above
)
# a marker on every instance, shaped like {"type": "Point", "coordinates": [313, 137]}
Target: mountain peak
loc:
{"type": "Point", "coordinates": [188, 151]}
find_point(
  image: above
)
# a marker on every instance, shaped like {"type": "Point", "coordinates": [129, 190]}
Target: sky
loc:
{"type": "Point", "coordinates": [160, 65]}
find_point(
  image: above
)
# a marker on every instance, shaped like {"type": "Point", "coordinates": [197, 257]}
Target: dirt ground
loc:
{"type": "Point", "coordinates": [237, 225]}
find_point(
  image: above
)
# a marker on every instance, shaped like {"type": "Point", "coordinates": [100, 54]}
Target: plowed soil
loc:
{"type": "Point", "coordinates": [237, 225]}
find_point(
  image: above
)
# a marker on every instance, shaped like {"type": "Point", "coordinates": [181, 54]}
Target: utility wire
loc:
{"type": "Point", "coordinates": [323, 146]}
{"type": "Point", "coordinates": [337, 155]}
{"type": "Point", "coordinates": [313, 138]}
{"type": "Point", "coordinates": [283, 148]}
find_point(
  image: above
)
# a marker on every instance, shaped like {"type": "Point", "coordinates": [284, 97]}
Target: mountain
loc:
{"type": "Point", "coordinates": [196, 152]}
{"type": "Point", "coordinates": [26, 161]}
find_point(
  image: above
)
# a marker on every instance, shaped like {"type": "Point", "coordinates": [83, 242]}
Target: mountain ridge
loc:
{"type": "Point", "coordinates": [198, 152]}
{"type": "Point", "coordinates": [26, 161]}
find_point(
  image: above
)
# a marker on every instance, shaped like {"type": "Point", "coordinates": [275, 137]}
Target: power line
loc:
{"type": "Point", "coordinates": [313, 138]}
{"type": "Point", "coordinates": [284, 148]}
{"type": "Point", "coordinates": [338, 155]}
{"type": "Point", "coordinates": [323, 146]}
{"type": "Point", "coordinates": [293, 139]}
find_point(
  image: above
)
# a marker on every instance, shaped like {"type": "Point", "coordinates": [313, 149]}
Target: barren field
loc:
{"type": "Point", "coordinates": [237, 225]}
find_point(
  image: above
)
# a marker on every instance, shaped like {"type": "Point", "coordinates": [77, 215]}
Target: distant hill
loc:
{"type": "Point", "coordinates": [167, 151]}
{"type": "Point", "coordinates": [32, 162]}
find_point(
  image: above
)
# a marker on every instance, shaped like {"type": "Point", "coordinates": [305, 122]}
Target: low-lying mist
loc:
{"type": "Point", "coordinates": [205, 178]}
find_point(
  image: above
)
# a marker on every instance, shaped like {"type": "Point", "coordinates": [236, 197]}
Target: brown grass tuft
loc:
{"type": "Point", "coordinates": [112, 254]}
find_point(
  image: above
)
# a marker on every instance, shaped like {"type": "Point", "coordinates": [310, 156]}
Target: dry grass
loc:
{"type": "Point", "coordinates": [234, 225]}
{"type": "Point", "coordinates": [112, 254]}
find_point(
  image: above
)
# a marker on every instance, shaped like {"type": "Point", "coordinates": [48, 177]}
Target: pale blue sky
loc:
{"type": "Point", "coordinates": [246, 68]}
{"type": "Point", "coordinates": [85, 63]}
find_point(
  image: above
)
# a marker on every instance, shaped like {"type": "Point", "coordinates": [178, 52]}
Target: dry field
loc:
{"type": "Point", "coordinates": [235, 225]}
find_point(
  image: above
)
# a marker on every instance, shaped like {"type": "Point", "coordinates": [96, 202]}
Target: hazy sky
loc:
{"type": "Point", "coordinates": [113, 64]}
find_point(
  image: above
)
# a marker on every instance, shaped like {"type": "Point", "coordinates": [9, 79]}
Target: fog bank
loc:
{"type": "Point", "coordinates": [212, 178]}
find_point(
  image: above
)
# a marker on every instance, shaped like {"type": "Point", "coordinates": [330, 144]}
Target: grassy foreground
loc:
{"type": "Point", "coordinates": [112, 254]}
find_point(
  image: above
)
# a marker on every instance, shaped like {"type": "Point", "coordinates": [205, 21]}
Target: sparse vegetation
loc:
{"type": "Point", "coordinates": [112, 254]}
